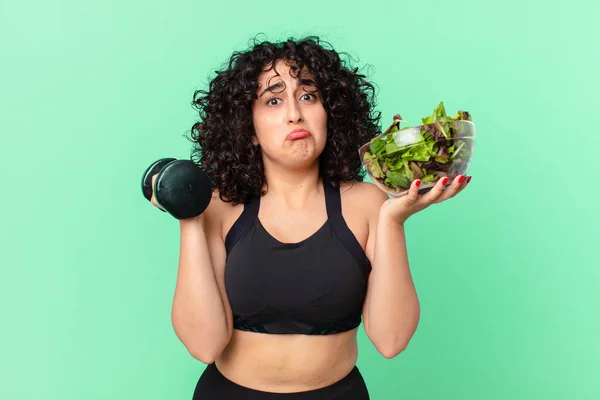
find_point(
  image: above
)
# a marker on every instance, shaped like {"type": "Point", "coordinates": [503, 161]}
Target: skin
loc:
{"type": "Point", "coordinates": [293, 209]}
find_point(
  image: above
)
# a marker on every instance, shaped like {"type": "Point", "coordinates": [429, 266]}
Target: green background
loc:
{"type": "Point", "coordinates": [507, 272]}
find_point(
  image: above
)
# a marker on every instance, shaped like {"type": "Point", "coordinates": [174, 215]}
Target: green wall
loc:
{"type": "Point", "coordinates": [507, 272]}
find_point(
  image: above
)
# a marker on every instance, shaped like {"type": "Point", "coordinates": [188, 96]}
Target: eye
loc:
{"type": "Point", "coordinates": [270, 101]}
{"type": "Point", "coordinates": [309, 94]}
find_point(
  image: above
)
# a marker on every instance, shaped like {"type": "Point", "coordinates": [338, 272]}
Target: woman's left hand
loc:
{"type": "Point", "coordinates": [401, 208]}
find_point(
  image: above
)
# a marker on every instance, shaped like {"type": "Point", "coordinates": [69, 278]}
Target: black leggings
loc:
{"type": "Point", "coordinates": [212, 385]}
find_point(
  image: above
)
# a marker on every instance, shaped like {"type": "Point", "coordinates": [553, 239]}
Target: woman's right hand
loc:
{"type": "Point", "coordinates": [152, 197]}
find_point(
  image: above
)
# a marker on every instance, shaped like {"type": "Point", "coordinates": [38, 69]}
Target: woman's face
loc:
{"type": "Point", "coordinates": [286, 104]}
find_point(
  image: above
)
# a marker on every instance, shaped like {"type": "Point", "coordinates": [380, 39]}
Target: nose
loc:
{"type": "Point", "coordinates": [294, 112]}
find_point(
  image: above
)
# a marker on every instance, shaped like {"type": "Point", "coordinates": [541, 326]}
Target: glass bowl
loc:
{"type": "Point", "coordinates": [430, 152]}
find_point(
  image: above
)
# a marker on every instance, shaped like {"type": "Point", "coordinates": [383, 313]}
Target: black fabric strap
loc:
{"type": "Point", "coordinates": [341, 229]}
{"type": "Point", "coordinates": [243, 223]}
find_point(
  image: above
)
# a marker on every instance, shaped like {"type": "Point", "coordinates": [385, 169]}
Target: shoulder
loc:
{"type": "Point", "coordinates": [220, 214]}
{"type": "Point", "coordinates": [364, 195]}
{"type": "Point", "coordinates": [361, 202]}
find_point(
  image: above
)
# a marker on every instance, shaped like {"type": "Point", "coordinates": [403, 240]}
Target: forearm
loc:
{"type": "Point", "coordinates": [393, 304]}
{"type": "Point", "coordinates": [198, 312]}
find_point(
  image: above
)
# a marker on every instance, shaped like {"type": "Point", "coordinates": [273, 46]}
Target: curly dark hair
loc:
{"type": "Point", "coordinates": [223, 136]}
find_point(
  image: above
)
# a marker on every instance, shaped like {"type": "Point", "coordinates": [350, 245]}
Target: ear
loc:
{"type": "Point", "coordinates": [254, 140]}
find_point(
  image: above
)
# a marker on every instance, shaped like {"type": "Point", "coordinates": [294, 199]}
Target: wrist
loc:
{"type": "Point", "coordinates": [194, 222]}
{"type": "Point", "coordinates": [388, 218]}
{"type": "Point", "coordinates": [387, 221]}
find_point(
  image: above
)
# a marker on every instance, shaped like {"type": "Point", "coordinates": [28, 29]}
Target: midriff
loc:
{"type": "Point", "coordinates": [288, 363]}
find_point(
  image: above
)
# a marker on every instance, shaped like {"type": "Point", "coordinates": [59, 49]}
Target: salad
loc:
{"type": "Point", "coordinates": [427, 152]}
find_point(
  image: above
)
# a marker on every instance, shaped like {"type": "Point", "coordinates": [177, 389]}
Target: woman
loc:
{"type": "Point", "coordinates": [294, 251]}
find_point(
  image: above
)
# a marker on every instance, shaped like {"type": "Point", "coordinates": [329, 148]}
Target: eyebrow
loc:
{"type": "Point", "coordinates": [303, 82]}
{"type": "Point", "coordinates": [271, 88]}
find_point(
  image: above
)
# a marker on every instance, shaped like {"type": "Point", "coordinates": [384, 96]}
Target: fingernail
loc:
{"type": "Point", "coordinates": [444, 181]}
{"type": "Point", "coordinates": [418, 182]}
{"type": "Point", "coordinates": [461, 179]}
{"type": "Point", "coordinates": [468, 179]}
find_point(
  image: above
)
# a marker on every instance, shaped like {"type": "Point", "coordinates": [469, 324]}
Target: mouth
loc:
{"type": "Point", "coordinates": [298, 134]}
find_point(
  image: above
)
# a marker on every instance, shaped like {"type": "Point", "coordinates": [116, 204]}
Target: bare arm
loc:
{"type": "Point", "coordinates": [201, 314]}
{"type": "Point", "coordinates": [391, 311]}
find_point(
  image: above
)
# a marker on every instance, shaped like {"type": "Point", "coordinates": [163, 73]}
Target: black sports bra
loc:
{"type": "Point", "coordinates": [315, 287]}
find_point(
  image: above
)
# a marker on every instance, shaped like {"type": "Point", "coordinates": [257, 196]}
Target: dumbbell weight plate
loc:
{"type": "Point", "coordinates": [183, 188]}
{"type": "Point", "coordinates": [149, 173]}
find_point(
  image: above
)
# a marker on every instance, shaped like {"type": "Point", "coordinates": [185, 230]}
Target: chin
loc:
{"type": "Point", "coordinates": [304, 153]}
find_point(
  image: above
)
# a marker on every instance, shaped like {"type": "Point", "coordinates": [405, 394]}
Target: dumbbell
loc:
{"type": "Point", "coordinates": [181, 188]}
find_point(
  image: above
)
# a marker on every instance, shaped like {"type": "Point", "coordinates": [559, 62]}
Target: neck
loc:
{"type": "Point", "coordinates": [294, 188]}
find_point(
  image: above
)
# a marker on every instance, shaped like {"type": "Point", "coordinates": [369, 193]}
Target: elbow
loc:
{"type": "Point", "coordinates": [205, 346]}
{"type": "Point", "coordinates": [206, 353]}
{"type": "Point", "coordinates": [205, 356]}
{"type": "Point", "coordinates": [392, 350]}
{"type": "Point", "coordinates": [390, 345]}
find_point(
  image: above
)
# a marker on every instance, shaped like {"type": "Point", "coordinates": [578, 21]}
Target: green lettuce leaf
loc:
{"type": "Point", "coordinates": [398, 166]}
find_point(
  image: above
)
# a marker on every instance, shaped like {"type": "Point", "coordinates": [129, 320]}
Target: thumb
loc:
{"type": "Point", "coordinates": [413, 191]}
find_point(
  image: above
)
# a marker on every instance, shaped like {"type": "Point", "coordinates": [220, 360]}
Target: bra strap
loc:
{"type": "Point", "coordinates": [334, 212]}
{"type": "Point", "coordinates": [243, 223]}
